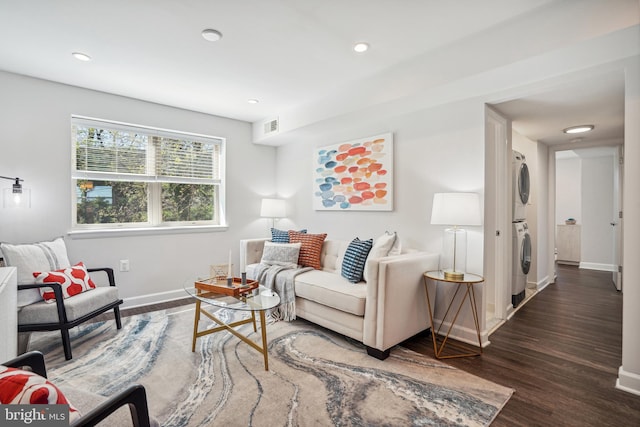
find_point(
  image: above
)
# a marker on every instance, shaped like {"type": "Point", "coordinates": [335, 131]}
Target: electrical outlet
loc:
{"type": "Point", "coordinates": [124, 265]}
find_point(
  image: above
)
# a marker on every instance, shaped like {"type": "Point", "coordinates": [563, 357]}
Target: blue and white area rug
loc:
{"type": "Point", "coordinates": [315, 377]}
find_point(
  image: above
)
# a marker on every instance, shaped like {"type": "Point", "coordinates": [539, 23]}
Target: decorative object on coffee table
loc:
{"type": "Point", "coordinates": [216, 286]}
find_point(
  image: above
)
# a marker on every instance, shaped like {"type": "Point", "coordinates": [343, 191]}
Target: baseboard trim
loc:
{"type": "Point", "coordinates": [598, 266]}
{"type": "Point", "coordinates": [628, 381]}
{"type": "Point", "coordinates": [463, 334]}
{"type": "Point", "coordinates": [160, 297]}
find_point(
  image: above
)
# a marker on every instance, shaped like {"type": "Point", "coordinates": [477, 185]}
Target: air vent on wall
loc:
{"type": "Point", "coordinates": [271, 126]}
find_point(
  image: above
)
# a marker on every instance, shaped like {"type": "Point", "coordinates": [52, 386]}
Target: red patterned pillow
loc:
{"type": "Point", "coordinates": [25, 387]}
{"type": "Point", "coordinates": [74, 280]}
{"type": "Point", "coordinates": [311, 248]}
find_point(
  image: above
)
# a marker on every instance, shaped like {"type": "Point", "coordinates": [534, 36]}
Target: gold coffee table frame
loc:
{"type": "Point", "coordinates": [257, 300]}
{"type": "Point", "coordinates": [467, 281]}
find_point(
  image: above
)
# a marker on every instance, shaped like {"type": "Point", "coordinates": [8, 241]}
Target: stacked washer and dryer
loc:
{"type": "Point", "coordinates": [521, 238]}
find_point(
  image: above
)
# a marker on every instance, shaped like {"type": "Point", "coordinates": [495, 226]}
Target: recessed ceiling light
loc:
{"type": "Point", "coordinates": [578, 129]}
{"type": "Point", "coordinates": [211, 35]}
{"type": "Point", "coordinates": [361, 47]}
{"type": "Point", "coordinates": [81, 56]}
{"type": "Point", "coordinates": [252, 101]}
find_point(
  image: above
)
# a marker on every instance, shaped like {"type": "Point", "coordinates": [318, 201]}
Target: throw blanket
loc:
{"type": "Point", "coordinates": [280, 279]}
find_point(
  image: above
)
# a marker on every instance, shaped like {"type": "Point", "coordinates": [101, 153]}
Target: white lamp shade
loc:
{"type": "Point", "coordinates": [456, 209]}
{"type": "Point", "coordinates": [273, 208]}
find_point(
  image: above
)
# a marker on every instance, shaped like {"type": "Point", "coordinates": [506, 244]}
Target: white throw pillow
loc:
{"type": "Point", "coordinates": [284, 254]}
{"type": "Point", "coordinates": [396, 249]}
{"type": "Point", "coordinates": [28, 258]}
{"type": "Point", "coordinates": [381, 248]}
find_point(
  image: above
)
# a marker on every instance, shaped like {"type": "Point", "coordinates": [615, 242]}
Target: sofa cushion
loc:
{"type": "Point", "coordinates": [311, 248]}
{"type": "Point", "coordinates": [27, 258]}
{"type": "Point", "coordinates": [332, 290]}
{"type": "Point", "coordinates": [284, 254]}
{"type": "Point", "coordinates": [74, 280]}
{"type": "Point", "coordinates": [355, 258]}
{"type": "Point", "coordinates": [282, 236]}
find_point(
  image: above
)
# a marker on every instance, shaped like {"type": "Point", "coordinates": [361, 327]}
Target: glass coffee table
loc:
{"type": "Point", "coordinates": [258, 300]}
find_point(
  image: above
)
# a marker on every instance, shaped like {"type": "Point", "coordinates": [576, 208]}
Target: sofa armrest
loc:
{"type": "Point", "coordinates": [396, 307]}
{"type": "Point", "coordinates": [251, 252]}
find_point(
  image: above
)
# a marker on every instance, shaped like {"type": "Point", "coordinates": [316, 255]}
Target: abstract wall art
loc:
{"type": "Point", "coordinates": [355, 175]}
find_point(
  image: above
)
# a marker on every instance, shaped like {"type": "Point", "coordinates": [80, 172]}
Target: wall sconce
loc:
{"type": "Point", "coordinates": [274, 209]}
{"type": "Point", "coordinates": [16, 196]}
{"type": "Point", "coordinates": [455, 209]}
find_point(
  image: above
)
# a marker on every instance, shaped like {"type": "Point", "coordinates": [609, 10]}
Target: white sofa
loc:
{"type": "Point", "coordinates": [381, 313]}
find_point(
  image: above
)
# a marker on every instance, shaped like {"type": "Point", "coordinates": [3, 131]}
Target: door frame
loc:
{"type": "Point", "coordinates": [498, 204]}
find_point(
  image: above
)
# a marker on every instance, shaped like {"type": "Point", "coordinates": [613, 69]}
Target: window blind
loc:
{"type": "Point", "coordinates": [119, 152]}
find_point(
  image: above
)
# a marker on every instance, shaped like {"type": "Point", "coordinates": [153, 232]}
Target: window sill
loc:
{"type": "Point", "coordinates": [144, 231]}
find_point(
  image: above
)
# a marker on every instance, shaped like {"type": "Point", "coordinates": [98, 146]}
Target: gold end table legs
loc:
{"type": "Point", "coordinates": [469, 294]}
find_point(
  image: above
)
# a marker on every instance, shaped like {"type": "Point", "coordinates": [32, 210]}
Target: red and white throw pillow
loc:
{"type": "Point", "coordinates": [74, 280]}
{"type": "Point", "coordinates": [25, 387]}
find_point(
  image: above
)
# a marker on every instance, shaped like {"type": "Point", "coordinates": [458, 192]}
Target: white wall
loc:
{"type": "Point", "coordinates": [436, 150]}
{"type": "Point", "coordinates": [36, 146]}
{"type": "Point", "coordinates": [568, 189]}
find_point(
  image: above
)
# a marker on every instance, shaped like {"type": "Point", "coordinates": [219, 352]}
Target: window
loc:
{"type": "Point", "coordinates": [135, 176]}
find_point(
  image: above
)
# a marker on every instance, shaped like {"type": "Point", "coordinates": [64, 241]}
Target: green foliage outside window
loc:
{"type": "Point", "coordinates": [132, 175]}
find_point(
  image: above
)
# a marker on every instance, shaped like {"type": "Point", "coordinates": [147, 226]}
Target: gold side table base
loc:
{"type": "Point", "coordinates": [469, 294]}
{"type": "Point", "coordinates": [229, 327]}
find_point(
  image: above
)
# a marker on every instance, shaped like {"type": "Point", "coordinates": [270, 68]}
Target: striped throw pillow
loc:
{"type": "Point", "coordinates": [311, 248]}
{"type": "Point", "coordinates": [282, 236]}
{"type": "Point", "coordinates": [355, 258]}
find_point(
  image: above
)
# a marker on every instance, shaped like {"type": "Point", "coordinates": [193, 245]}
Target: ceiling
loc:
{"type": "Point", "coordinates": [598, 101]}
{"type": "Point", "coordinates": [284, 53]}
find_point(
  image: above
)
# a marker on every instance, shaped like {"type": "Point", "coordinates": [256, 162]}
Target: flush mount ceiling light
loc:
{"type": "Point", "coordinates": [211, 35]}
{"type": "Point", "coordinates": [81, 56]}
{"type": "Point", "coordinates": [361, 47]}
{"type": "Point", "coordinates": [252, 101]}
{"type": "Point", "coordinates": [578, 129]}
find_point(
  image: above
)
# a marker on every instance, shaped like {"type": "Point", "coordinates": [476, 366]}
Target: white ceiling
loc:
{"type": "Point", "coordinates": [598, 101]}
{"type": "Point", "coordinates": [285, 53]}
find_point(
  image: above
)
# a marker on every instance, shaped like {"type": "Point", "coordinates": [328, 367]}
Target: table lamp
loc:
{"type": "Point", "coordinates": [274, 209]}
{"type": "Point", "coordinates": [455, 209]}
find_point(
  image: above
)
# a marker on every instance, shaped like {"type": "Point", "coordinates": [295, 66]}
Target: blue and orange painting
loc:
{"type": "Point", "coordinates": [355, 175]}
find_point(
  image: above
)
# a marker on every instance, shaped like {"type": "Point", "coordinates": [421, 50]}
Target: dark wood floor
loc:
{"type": "Point", "coordinates": [561, 353]}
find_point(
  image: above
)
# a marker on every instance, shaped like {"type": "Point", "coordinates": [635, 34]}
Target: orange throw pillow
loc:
{"type": "Point", "coordinates": [311, 248]}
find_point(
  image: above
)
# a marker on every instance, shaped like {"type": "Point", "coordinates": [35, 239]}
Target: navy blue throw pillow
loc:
{"type": "Point", "coordinates": [282, 236]}
{"type": "Point", "coordinates": [354, 259]}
